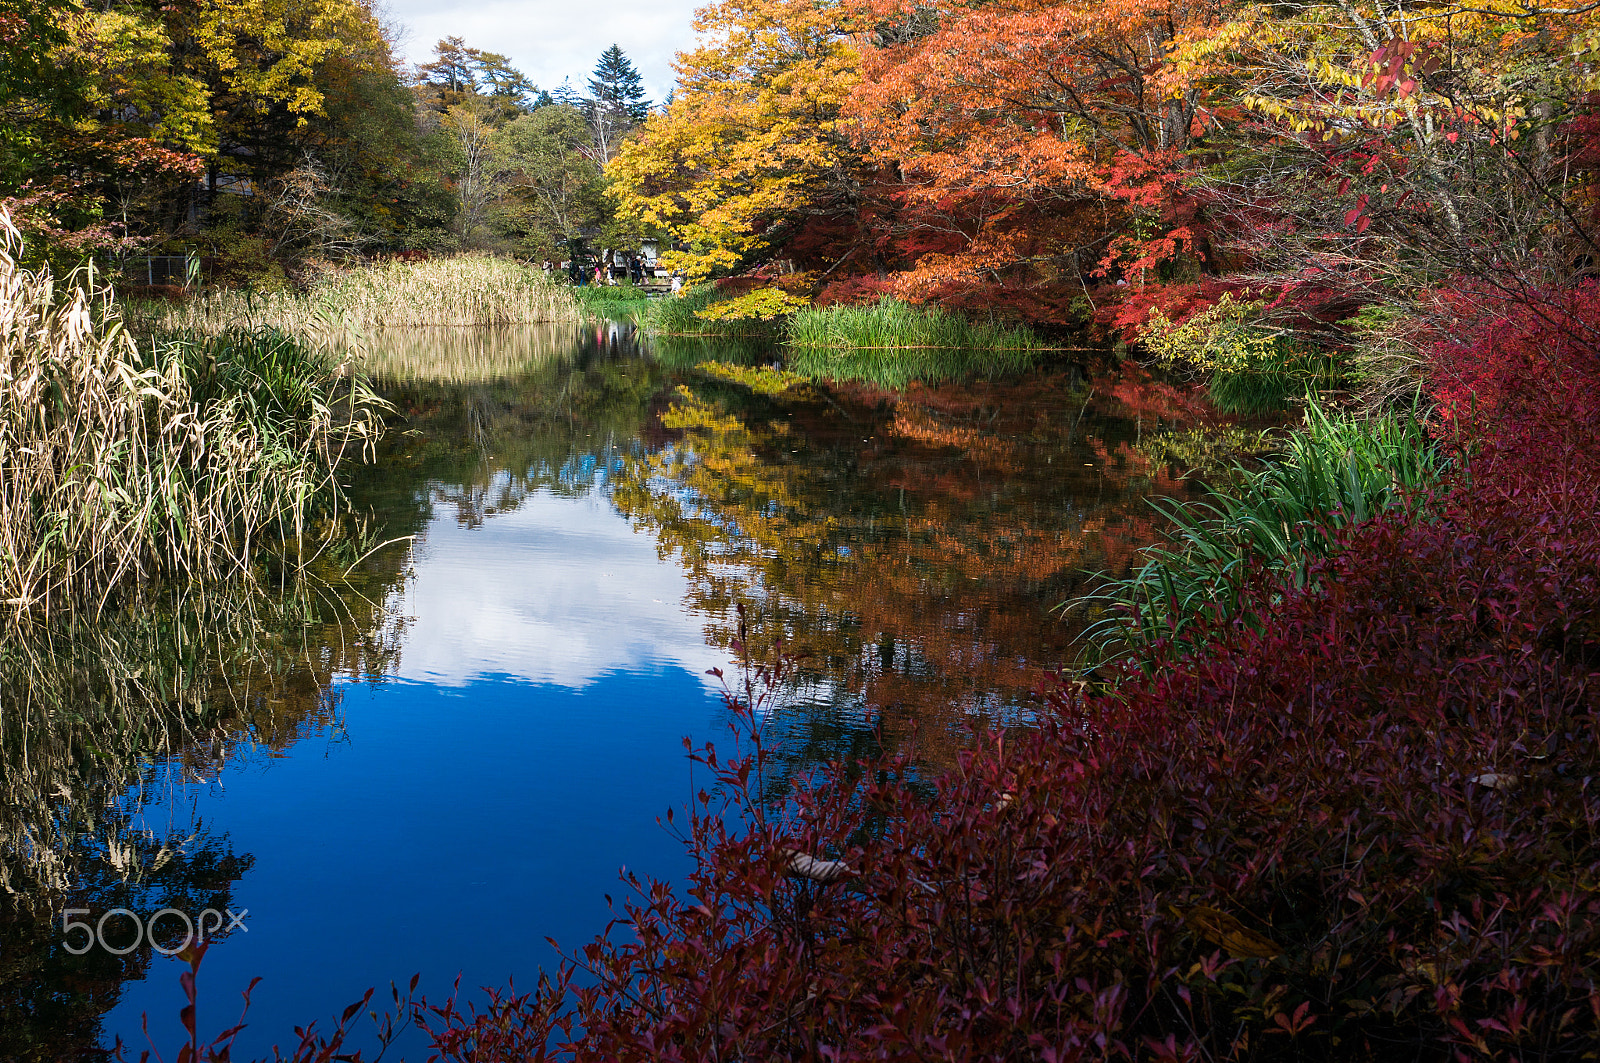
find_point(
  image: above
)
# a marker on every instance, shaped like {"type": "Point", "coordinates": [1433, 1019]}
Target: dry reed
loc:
{"type": "Point", "coordinates": [464, 291]}
{"type": "Point", "coordinates": [122, 461]}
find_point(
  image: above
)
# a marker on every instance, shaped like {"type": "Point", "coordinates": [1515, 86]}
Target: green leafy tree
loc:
{"type": "Point", "coordinates": [388, 173]}
{"type": "Point", "coordinates": [556, 190]}
{"type": "Point", "coordinates": [33, 91]}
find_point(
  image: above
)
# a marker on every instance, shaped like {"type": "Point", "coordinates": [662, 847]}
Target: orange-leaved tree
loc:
{"type": "Point", "coordinates": [1041, 141]}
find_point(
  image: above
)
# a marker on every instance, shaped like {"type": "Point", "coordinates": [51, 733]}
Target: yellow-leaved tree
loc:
{"type": "Point", "coordinates": [751, 149]}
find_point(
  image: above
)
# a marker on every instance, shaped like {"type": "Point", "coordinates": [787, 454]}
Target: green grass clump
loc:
{"type": "Point", "coordinates": [123, 461]}
{"type": "Point", "coordinates": [895, 368]}
{"type": "Point", "coordinates": [891, 324]}
{"type": "Point", "coordinates": [1334, 473]}
{"type": "Point", "coordinates": [606, 298]}
{"type": "Point", "coordinates": [677, 316]}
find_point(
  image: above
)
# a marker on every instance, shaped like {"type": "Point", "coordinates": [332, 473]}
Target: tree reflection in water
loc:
{"type": "Point", "coordinates": [911, 546]}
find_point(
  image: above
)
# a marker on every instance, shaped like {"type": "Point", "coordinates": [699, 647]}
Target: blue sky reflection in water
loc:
{"type": "Point", "coordinates": [482, 799]}
{"type": "Point", "coordinates": [586, 520]}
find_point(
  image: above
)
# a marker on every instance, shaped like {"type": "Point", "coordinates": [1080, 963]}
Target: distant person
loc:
{"type": "Point", "coordinates": [598, 274]}
{"type": "Point", "coordinates": [677, 283]}
{"type": "Point", "coordinates": [635, 271]}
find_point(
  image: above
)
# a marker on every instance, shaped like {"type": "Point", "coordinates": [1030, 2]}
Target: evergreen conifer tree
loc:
{"type": "Point", "coordinates": [453, 65]}
{"type": "Point", "coordinates": [565, 94]}
{"type": "Point", "coordinates": [618, 85]}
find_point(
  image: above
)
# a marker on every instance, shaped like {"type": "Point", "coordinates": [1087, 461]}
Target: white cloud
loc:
{"type": "Point", "coordinates": [559, 591]}
{"type": "Point", "coordinates": [549, 41]}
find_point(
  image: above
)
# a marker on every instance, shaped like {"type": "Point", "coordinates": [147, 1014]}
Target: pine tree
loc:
{"type": "Point", "coordinates": [565, 94]}
{"type": "Point", "coordinates": [452, 67]}
{"type": "Point", "coordinates": [506, 81]}
{"type": "Point", "coordinates": [618, 85]}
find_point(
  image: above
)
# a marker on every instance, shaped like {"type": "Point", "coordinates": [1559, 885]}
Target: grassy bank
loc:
{"type": "Point", "coordinates": [610, 298]}
{"type": "Point", "coordinates": [889, 343]}
{"type": "Point", "coordinates": [124, 460]}
{"type": "Point", "coordinates": [887, 325]}
{"type": "Point", "coordinates": [467, 290]}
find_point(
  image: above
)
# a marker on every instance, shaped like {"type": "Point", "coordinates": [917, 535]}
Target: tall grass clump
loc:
{"type": "Point", "coordinates": [891, 324]}
{"type": "Point", "coordinates": [467, 290]}
{"type": "Point", "coordinates": [678, 316]}
{"type": "Point", "coordinates": [895, 368]}
{"type": "Point", "coordinates": [609, 297]}
{"type": "Point", "coordinates": [1273, 524]}
{"type": "Point", "coordinates": [123, 461]}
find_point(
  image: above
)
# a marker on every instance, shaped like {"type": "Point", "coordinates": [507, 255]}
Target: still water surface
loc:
{"type": "Point", "coordinates": [450, 753]}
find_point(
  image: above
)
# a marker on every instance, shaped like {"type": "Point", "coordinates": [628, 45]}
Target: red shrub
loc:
{"type": "Point", "coordinates": [1524, 381]}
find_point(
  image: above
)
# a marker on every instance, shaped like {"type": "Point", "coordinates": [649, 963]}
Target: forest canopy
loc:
{"type": "Point", "coordinates": [1112, 168]}
{"type": "Point", "coordinates": [1085, 164]}
{"type": "Point", "coordinates": [268, 138]}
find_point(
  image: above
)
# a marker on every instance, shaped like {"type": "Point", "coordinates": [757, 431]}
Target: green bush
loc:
{"type": "Point", "coordinates": [1334, 473]}
{"type": "Point", "coordinates": [609, 296]}
{"type": "Point", "coordinates": [894, 368]}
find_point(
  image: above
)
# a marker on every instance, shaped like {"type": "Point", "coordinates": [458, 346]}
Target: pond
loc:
{"type": "Point", "coordinates": [436, 748]}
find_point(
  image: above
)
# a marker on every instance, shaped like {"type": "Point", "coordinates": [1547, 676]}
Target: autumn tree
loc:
{"type": "Point", "coordinates": [506, 83]}
{"type": "Point", "coordinates": [752, 149]}
{"type": "Point", "coordinates": [35, 93]}
{"type": "Point", "coordinates": [1040, 144]}
{"type": "Point", "coordinates": [480, 170]}
{"type": "Point", "coordinates": [93, 115]}
{"type": "Point", "coordinates": [1376, 156]}
{"type": "Point", "coordinates": [388, 171]}
{"type": "Point", "coordinates": [453, 66]}
{"type": "Point", "coordinates": [127, 122]}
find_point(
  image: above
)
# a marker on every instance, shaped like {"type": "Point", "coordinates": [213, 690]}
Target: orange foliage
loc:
{"type": "Point", "coordinates": [1036, 129]}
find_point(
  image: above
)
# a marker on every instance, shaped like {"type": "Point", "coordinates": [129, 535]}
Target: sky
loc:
{"type": "Point", "coordinates": [553, 39]}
